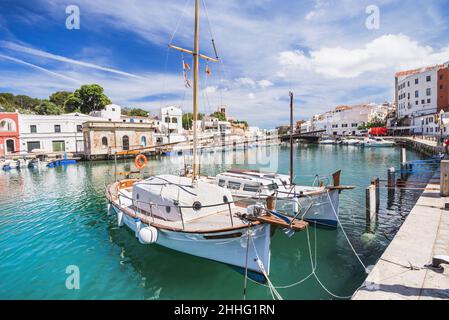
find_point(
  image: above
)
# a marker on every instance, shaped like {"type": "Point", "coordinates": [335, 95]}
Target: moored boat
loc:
{"type": "Point", "coordinates": [377, 142]}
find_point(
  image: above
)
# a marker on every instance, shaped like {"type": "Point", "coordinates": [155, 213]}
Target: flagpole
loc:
{"type": "Point", "coordinates": [195, 91]}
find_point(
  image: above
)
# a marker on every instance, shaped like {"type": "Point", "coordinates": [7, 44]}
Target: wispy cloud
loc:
{"type": "Point", "coordinates": [47, 55]}
{"type": "Point", "coordinates": [52, 73]}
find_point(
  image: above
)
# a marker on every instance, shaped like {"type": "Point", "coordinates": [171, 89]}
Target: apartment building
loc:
{"type": "Point", "coordinates": [420, 94]}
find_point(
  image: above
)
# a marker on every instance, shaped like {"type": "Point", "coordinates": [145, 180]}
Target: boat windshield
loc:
{"type": "Point", "coordinates": [273, 186]}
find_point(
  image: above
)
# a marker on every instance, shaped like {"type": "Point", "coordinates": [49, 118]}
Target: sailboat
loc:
{"type": "Point", "coordinates": [190, 215]}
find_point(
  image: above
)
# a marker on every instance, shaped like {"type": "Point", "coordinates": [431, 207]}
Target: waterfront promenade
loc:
{"type": "Point", "coordinates": [403, 272]}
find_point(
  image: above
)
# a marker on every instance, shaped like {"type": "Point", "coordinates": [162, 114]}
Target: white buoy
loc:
{"type": "Point", "coordinates": [138, 226]}
{"type": "Point", "coordinates": [120, 218]}
{"type": "Point", "coordinates": [148, 235]}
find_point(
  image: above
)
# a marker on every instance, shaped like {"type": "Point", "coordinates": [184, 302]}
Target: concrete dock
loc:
{"type": "Point", "coordinates": [404, 272]}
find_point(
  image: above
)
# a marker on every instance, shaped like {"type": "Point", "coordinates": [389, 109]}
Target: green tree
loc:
{"type": "Point", "coordinates": [136, 112]}
{"type": "Point", "coordinates": [88, 98]}
{"type": "Point", "coordinates": [59, 98]}
{"type": "Point", "coordinates": [220, 116]}
{"type": "Point", "coordinates": [49, 108]}
{"type": "Point", "coordinates": [72, 104]}
{"type": "Point", "coordinates": [187, 120]}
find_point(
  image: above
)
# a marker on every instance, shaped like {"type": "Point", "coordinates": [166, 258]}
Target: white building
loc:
{"type": "Point", "coordinates": [417, 92]}
{"type": "Point", "coordinates": [52, 133]}
{"type": "Point", "coordinates": [171, 120]}
{"type": "Point", "coordinates": [214, 125]}
{"type": "Point", "coordinates": [111, 112]}
{"type": "Point", "coordinates": [346, 120]}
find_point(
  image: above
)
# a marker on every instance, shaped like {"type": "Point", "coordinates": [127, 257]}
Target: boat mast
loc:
{"type": "Point", "coordinates": [291, 137]}
{"type": "Point", "coordinates": [195, 91]}
{"type": "Point", "coordinates": [196, 56]}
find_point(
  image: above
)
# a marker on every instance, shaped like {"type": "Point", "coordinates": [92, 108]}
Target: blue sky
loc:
{"type": "Point", "coordinates": [320, 49]}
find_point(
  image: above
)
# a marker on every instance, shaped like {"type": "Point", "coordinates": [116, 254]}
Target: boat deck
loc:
{"type": "Point", "coordinates": [216, 222]}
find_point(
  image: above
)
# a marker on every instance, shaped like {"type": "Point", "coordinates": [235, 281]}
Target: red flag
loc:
{"type": "Point", "coordinates": [208, 71]}
{"type": "Point", "coordinates": [185, 65]}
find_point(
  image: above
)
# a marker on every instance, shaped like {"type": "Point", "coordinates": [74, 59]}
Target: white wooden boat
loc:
{"type": "Point", "coordinates": [377, 142]}
{"type": "Point", "coordinates": [317, 204]}
{"type": "Point", "coordinates": [351, 142]}
{"type": "Point", "coordinates": [198, 219]}
{"type": "Point", "coordinates": [327, 141]}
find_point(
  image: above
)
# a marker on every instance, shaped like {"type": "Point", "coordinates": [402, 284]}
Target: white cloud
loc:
{"type": "Point", "coordinates": [265, 83]}
{"type": "Point", "coordinates": [246, 82]}
{"type": "Point", "coordinates": [381, 54]}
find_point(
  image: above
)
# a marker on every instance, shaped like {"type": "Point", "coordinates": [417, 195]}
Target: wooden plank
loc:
{"type": "Point", "coordinates": [340, 187]}
{"type": "Point", "coordinates": [297, 225]}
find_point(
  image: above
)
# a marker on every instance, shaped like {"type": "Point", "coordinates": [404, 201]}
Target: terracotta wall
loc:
{"type": "Point", "coordinates": [443, 89]}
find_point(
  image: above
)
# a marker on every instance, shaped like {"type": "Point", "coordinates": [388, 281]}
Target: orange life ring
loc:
{"type": "Point", "coordinates": [141, 161]}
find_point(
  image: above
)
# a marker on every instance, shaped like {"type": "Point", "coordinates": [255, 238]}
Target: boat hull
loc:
{"type": "Point", "coordinates": [229, 247]}
{"type": "Point", "coordinates": [322, 211]}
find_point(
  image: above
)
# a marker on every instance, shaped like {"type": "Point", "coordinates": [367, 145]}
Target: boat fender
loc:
{"type": "Point", "coordinates": [138, 226]}
{"type": "Point", "coordinates": [109, 209]}
{"type": "Point", "coordinates": [120, 218]}
{"type": "Point", "coordinates": [148, 235]}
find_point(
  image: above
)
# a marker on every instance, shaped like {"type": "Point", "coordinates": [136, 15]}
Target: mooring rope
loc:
{"type": "Point", "coordinates": [346, 236]}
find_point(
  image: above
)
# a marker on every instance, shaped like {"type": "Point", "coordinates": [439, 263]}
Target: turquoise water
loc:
{"type": "Point", "coordinates": [54, 218]}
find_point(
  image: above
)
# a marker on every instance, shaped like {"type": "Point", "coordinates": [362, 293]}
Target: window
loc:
{"type": "Point", "coordinates": [416, 81]}
{"type": "Point", "coordinates": [79, 128]}
{"type": "Point", "coordinates": [141, 121]}
{"type": "Point", "coordinates": [251, 187]}
{"type": "Point", "coordinates": [428, 92]}
{"type": "Point", "coordinates": [423, 101]}
{"type": "Point", "coordinates": [104, 142]}
{"type": "Point", "coordinates": [234, 185]}
{"type": "Point", "coordinates": [344, 125]}
{"type": "Point", "coordinates": [167, 119]}
{"type": "Point", "coordinates": [408, 83]}
{"type": "Point", "coordinates": [221, 182]}
{"type": "Point", "coordinates": [10, 146]}
{"type": "Point", "coordinates": [32, 145]}
{"type": "Point", "coordinates": [174, 120]}
{"type": "Point", "coordinates": [143, 141]}
{"type": "Point", "coordinates": [124, 120]}
{"type": "Point", "coordinates": [125, 142]}
{"type": "Point", "coordinates": [428, 100]}
{"type": "Point", "coordinates": [428, 78]}
{"type": "Point", "coordinates": [416, 102]}
{"type": "Point", "coordinates": [408, 95]}
{"type": "Point", "coordinates": [113, 109]}
{"type": "Point", "coordinates": [416, 94]}
{"type": "Point", "coordinates": [58, 146]}
{"type": "Point", "coordinates": [441, 87]}
{"type": "Point", "coordinates": [33, 128]}
{"type": "Point", "coordinates": [57, 128]}
{"type": "Point", "coordinates": [354, 125]}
